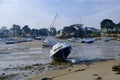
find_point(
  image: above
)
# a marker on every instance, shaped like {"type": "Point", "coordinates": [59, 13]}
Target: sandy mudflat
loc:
{"type": "Point", "coordinates": [94, 71]}
{"type": "Point", "coordinates": [32, 53]}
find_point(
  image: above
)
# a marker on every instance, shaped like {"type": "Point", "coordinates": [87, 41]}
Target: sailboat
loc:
{"type": "Point", "coordinates": [87, 39]}
{"type": "Point", "coordinates": [50, 41]}
{"type": "Point", "coordinates": [73, 39]}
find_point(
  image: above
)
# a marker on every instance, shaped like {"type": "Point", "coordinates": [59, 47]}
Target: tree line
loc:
{"type": "Point", "coordinates": [109, 27]}
{"type": "Point", "coordinates": [26, 31]}
{"type": "Point", "coordinates": [78, 31]}
{"type": "Point", "coordinates": [74, 30]}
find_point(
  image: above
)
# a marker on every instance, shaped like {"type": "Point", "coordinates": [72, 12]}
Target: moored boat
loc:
{"type": "Point", "coordinates": [60, 52]}
{"type": "Point", "coordinates": [21, 40]}
{"type": "Point", "coordinates": [87, 40]}
{"type": "Point", "coordinates": [106, 39]}
{"type": "Point", "coordinates": [73, 39]}
{"type": "Point", "coordinates": [10, 41]}
{"type": "Point", "coordinates": [49, 42]}
{"type": "Point", "coordinates": [118, 39]}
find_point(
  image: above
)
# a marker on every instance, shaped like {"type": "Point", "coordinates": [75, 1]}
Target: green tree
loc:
{"type": "Point", "coordinates": [75, 29]}
{"type": "Point", "coordinates": [108, 25]}
{"type": "Point", "coordinates": [35, 32]}
{"type": "Point", "coordinates": [16, 30]}
{"type": "Point", "coordinates": [43, 31]}
{"type": "Point", "coordinates": [79, 31]}
{"type": "Point", "coordinates": [52, 31]}
{"type": "Point", "coordinates": [118, 28]}
{"type": "Point", "coordinates": [4, 32]}
{"type": "Point", "coordinates": [26, 30]}
{"type": "Point", "coordinates": [69, 29]}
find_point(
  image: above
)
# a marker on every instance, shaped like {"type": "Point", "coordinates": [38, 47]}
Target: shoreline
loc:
{"type": "Point", "coordinates": [93, 71]}
{"type": "Point", "coordinates": [50, 70]}
{"type": "Point", "coordinates": [83, 70]}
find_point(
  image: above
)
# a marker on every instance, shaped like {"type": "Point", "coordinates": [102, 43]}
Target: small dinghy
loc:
{"type": "Point", "coordinates": [72, 39]}
{"type": "Point", "coordinates": [49, 42]}
{"type": "Point", "coordinates": [106, 39]}
{"type": "Point", "coordinates": [87, 40]}
{"type": "Point", "coordinates": [60, 52]}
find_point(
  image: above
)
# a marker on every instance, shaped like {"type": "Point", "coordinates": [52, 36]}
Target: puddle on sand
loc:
{"type": "Point", "coordinates": [28, 56]}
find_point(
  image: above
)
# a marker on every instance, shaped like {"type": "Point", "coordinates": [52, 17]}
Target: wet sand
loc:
{"type": "Point", "coordinates": [99, 70]}
{"type": "Point", "coordinates": [94, 71]}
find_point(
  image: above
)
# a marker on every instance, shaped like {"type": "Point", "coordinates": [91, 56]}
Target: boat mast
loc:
{"type": "Point", "coordinates": [52, 23]}
{"type": "Point", "coordinates": [86, 36]}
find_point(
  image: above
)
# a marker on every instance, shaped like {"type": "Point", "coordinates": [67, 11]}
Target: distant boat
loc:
{"type": "Point", "coordinates": [39, 38]}
{"type": "Point", "coordinates": [72, 39]}
{"type": "Point", "coordinates": [29, 39]}
{"type": "Point", "coordinates": [10, 41]}
{"type": "Point", "coordinates": [118, 39]}
{"type": "Point", "coordinates": [60, 51]}
{"type": "Point", "coordinates": [87, 40]}
{"type": "Point", "coordinates": [49, 42]}
{"type": "Point", "coordinates": [21, 40]}
{"type": "Point", "coordinates": [25, 40]}
{"type": "Point", "coordinates": [1, 39]}
{"type": "Point", "coordinates": [4, 53]}
{"type": "Point", "coordinates": [106, 39]}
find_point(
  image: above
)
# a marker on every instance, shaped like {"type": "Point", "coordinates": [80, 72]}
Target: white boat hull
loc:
{"type": "Point", "coordinates": [60, 53]}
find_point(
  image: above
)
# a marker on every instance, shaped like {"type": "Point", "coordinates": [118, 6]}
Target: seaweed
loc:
{"type": "Point", "coordinates": [116, 68]}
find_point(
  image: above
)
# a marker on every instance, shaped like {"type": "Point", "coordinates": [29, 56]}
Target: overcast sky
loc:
{"type": "Point", "coordinates": [40, 13]}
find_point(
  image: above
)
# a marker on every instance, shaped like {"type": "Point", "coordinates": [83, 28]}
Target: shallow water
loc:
{"type": "Point", "coordinates": [97, 50]}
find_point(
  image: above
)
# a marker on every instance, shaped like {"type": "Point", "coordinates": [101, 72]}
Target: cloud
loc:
{"type": "Point", "coordinates": [40, 13]}
{"type": "Point", "coordinates": [103, 12]}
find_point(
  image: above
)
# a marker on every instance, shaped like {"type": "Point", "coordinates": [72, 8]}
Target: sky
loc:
{"type": "Point", "coordinates": [40, 13]}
